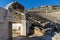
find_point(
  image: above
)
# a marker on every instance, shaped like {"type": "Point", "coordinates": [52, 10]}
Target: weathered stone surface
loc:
{"type": "Point", "coordinates": [3, 12]}
{"type": "Point", "coordinates": [56, 37]}
{"type": "Point", "coordinates": [4, 31]}
{"type": "Point", "coordinates": [3, 25]}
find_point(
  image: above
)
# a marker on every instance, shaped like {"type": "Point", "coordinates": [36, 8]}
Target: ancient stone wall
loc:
{"type": "Point", "coordinates": [5, 27]}
{"type": "Point", "coordinates": [46, 9]}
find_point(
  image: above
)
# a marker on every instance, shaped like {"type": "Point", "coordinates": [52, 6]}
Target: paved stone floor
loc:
{"type": "Point", "coordinates": [46, 37]}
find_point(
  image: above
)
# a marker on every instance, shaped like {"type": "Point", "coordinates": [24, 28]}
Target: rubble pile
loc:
{"type": "Point", "coordinates": [50, 28]}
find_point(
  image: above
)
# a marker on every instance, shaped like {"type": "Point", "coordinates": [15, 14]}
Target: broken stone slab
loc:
{"type": "Point", "coordinates": [56, 37]}
{"type": "Point", "coordinates": [48, 31]}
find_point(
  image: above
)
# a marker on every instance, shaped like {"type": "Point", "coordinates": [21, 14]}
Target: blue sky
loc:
{"type": "Point", "coordinates": [28, 4]}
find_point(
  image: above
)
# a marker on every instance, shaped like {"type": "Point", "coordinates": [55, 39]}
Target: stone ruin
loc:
{"type": "Point", "coordinates": [7, 18]}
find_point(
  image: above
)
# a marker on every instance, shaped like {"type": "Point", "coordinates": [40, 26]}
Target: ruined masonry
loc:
{"type": "Point", "coordinates": [8, 20]}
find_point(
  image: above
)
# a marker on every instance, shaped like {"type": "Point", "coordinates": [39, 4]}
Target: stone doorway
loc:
{"type": "Point", "coordinates": [16, 29]}
{"type": "Point", "coordinates": [13, 32]}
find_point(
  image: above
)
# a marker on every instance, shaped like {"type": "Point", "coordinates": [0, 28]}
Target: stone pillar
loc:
{"type": "Point", "coordinates": [24, 28]}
